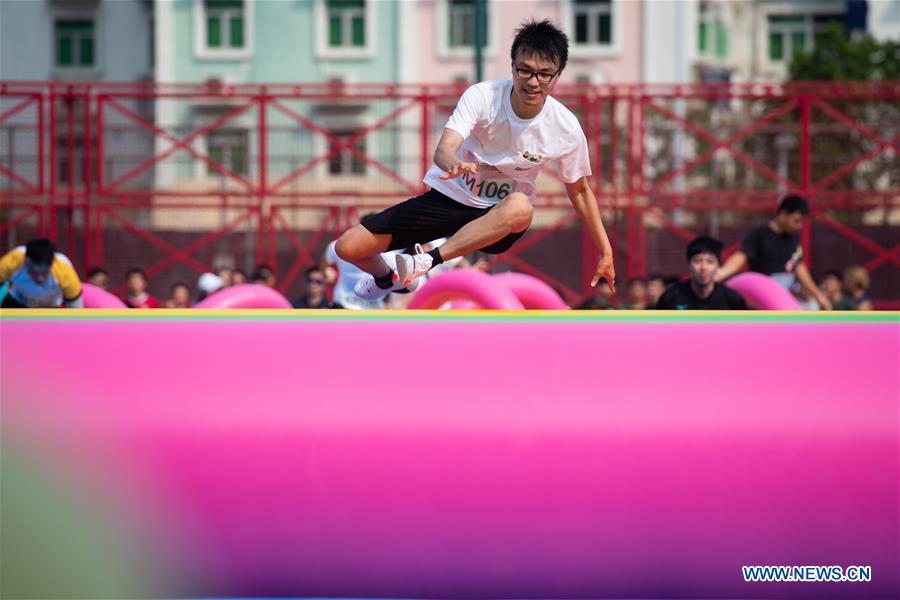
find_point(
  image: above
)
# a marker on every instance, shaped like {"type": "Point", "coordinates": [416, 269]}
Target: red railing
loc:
{"type": "Point", "coordinates": [126, 173]}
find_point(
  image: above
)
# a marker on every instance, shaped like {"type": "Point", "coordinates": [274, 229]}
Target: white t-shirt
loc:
{"type": "Point", "coordinates": [348, 275]}
{"type": "Point", "coordinates": [508, 150]}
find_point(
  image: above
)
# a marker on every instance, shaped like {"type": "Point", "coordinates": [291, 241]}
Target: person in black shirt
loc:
{"type": "Point", "coordinates": [774, 249]}
{"type": "Point", "coordinates": [314, 295]}
{"type": "Point", "coordinates": [702, 292]}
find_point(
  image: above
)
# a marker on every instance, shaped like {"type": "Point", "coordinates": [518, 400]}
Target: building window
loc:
{"type": "Point", "coordinates": [345, 162]}
{"type": "Point", "coordinates": [712, 32]}
{"type": "Point", "coordinates": [75, 43]}
{"type": "Point", "coordinates": [224, 24]}
{"type": "Point", "coordinates": [227, 147]}
{"type": "Point", "coordinates": [789, 34]}
{"type": "Point", "coordinates": [346, 23]}
{"type": "Point", "coordinates": [461, 23]}
{"type": "Point", "coordinates": [593, 22]}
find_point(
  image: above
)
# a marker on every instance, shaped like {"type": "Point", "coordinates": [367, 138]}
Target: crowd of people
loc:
{"type": "Point", "coordinates": [36, 275]}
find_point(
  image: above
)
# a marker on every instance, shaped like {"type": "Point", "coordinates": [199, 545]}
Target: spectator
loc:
{"type": "Point", "coordinates": [227, 275]}
{"type": "Point", "coordinates": [702, 292]}
{"type": "Point", "coordinates": [637, 294]}
{"type": "Point", "coordinates": [39, 277]}
{"type": "Point", "coordinates": [207, 285]}
{"type": "Point", "coordinates": [314, 294]}
{"type": "Point", "coordinates": [805, 301]}
{"type": "Point", "coordinates": [831, 286]}
{"type": "Point", "coordinates": [856, 285]}
{"type": "Point", "coordinates": [264, 275]}
{"type": "Point", "coordinates": [602, 299]}
{"type": "Point", "coordinates": [480, 261]}
{"type": "Point", "coordinates": [137, 296]}
{"type": "Point", "coordinates": [774, 249]}
{"type": "Point", "coordinates": [238, 277]}
{"type": "Point", "coordinates": [98, 277]}
{"type": "Point", "coordinates": [656, 285]}
{"type": "Point", "coordinates": [179, 296]}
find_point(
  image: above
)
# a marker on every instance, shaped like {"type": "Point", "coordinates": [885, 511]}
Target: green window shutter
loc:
{"type": "Point", "coordinates": [581, 28]}
{"type": "Point", "coordinates": [86, 54]}
{"type": "Point", "coordinates": [334, 31]}
{"type": "Point", "coordinates": [605, 26]}
{"type": "Point", "coordinates": [798, 42]}
{"type": "Point", "coordinates": [721, 41]}
{"type": "Point", "coordinates": [215, 155]}
{"type": "Point", "coordinates": [701, 37]}
{"type": "Point", "coordinates": [237, 32]}
{"type": "Point", "coordinates": [64, 55]}
{"type": "Point", "coordinates": [359, 31]}
{"type": "Point", "coordinates": [237, 160]}
{"type": "Point", "coordinates": [213, 32]}
{"type": "Point", "coordinates": [776, 49]}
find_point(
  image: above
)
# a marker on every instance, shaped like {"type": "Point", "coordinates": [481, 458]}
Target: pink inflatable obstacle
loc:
{"type": "Point", "coordinates": [467, 289]}
{"type": "Point", "coordinates": [247, 295]}
{"type": "Point", "coordinates": [465, 284]}
{"type": "Point", "coordinates": [531, 291]}
{"type": "Point", "coordinates": [762, 292]}
{"type": "Point", "coordinates": [95, 297]}
{"type": "Point", "coordinates": [551, 455]}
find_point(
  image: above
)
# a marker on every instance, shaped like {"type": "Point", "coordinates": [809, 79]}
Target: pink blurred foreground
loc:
{"type": "Point", "coordinates": [460, 457]}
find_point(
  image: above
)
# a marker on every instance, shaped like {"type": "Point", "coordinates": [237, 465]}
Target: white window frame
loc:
{"type": "Point", "coordinates": [807, 12]}
{"type": "Point", "coordinates": [325, 51]}
{"type": "Point", "coordinates": [321, 144]}
{"type": "Point", "coordinates": [201, 170]}
{"type": "Point", "coordinates": [76, 44]}
{"type": "Point", "coordinates": [442, 33]}
{"type": "Point", "coordinates": [94, 71]}
{"type": "Point", "coordinates": [204, 52]}
{"type": "Point", "coordinates": [717, 15]}
{"type": "Point", "coordinates": [611, 50]}
{"type": "Point", "coordinates": [240, 131]}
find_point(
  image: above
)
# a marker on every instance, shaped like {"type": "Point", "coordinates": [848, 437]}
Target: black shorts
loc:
{"type": "Point", "coordinates": [429, 217]}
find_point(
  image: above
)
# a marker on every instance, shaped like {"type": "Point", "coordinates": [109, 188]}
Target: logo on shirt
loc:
{"type": "Point", "coordinates": [794, 260]}
{"type": "Point", "coordinates": [532, 157]}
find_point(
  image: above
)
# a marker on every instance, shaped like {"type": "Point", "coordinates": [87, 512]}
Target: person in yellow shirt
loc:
{"type": "Point", "coordinates": [39, 277]}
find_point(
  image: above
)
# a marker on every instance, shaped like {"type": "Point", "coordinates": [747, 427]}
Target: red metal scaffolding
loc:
{"type": "Point", "coordinates": [105, 166]}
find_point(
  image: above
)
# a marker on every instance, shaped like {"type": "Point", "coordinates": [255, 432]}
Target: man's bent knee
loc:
{"type": "Point", "coordinates": [517, 211]}
{"type": "Point", "coordinates": [358, 242]}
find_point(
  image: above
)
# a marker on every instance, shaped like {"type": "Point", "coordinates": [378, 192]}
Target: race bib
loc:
{"type": "Point", "coordinates": [492, 190]}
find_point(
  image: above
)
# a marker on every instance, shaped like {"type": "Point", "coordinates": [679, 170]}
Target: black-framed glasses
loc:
{"type": "Point", "coordinates": [542, 76]}
{"type": "Point", "coordinates": [315, 280]}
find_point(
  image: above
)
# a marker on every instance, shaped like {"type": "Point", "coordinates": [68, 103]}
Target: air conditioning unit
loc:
{"type": "Point", "coordinates": [217, 93]}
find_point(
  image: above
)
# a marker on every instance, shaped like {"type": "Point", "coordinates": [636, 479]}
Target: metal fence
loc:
{"type": "Point", "coordinates": [180, 178]}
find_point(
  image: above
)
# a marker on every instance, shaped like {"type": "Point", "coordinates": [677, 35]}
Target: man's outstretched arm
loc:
{"type": "Point", "coordinates": [732, 266]}
{"type": "Point", "coordinates": [445, 155]}
{"type": "Point", "coordinates": [585, 204]}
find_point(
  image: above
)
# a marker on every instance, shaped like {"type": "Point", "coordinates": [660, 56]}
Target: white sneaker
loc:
{"type": "Point", "coordinates": [367, 289]}
{"type": "Point", "coordinates": [409, 267]}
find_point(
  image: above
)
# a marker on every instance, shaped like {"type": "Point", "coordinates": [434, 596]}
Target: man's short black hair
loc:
{"type": "Point", "coordinates": [704, 244]}
{"type": "Point", "coordinates": [135, 271]}
{"type": "Point", "coordinates": [40, 251]}
{"type": "Point", "coordinates": [97, 271]}
{"type": "Point", "coordinates": [794, 203]}
{"type": "Point", "coordinates": [544, 39]}
{"type": "Point", "coordinates": [262, 273]}
{"type": "Point", "coordinates": [310, 271]}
